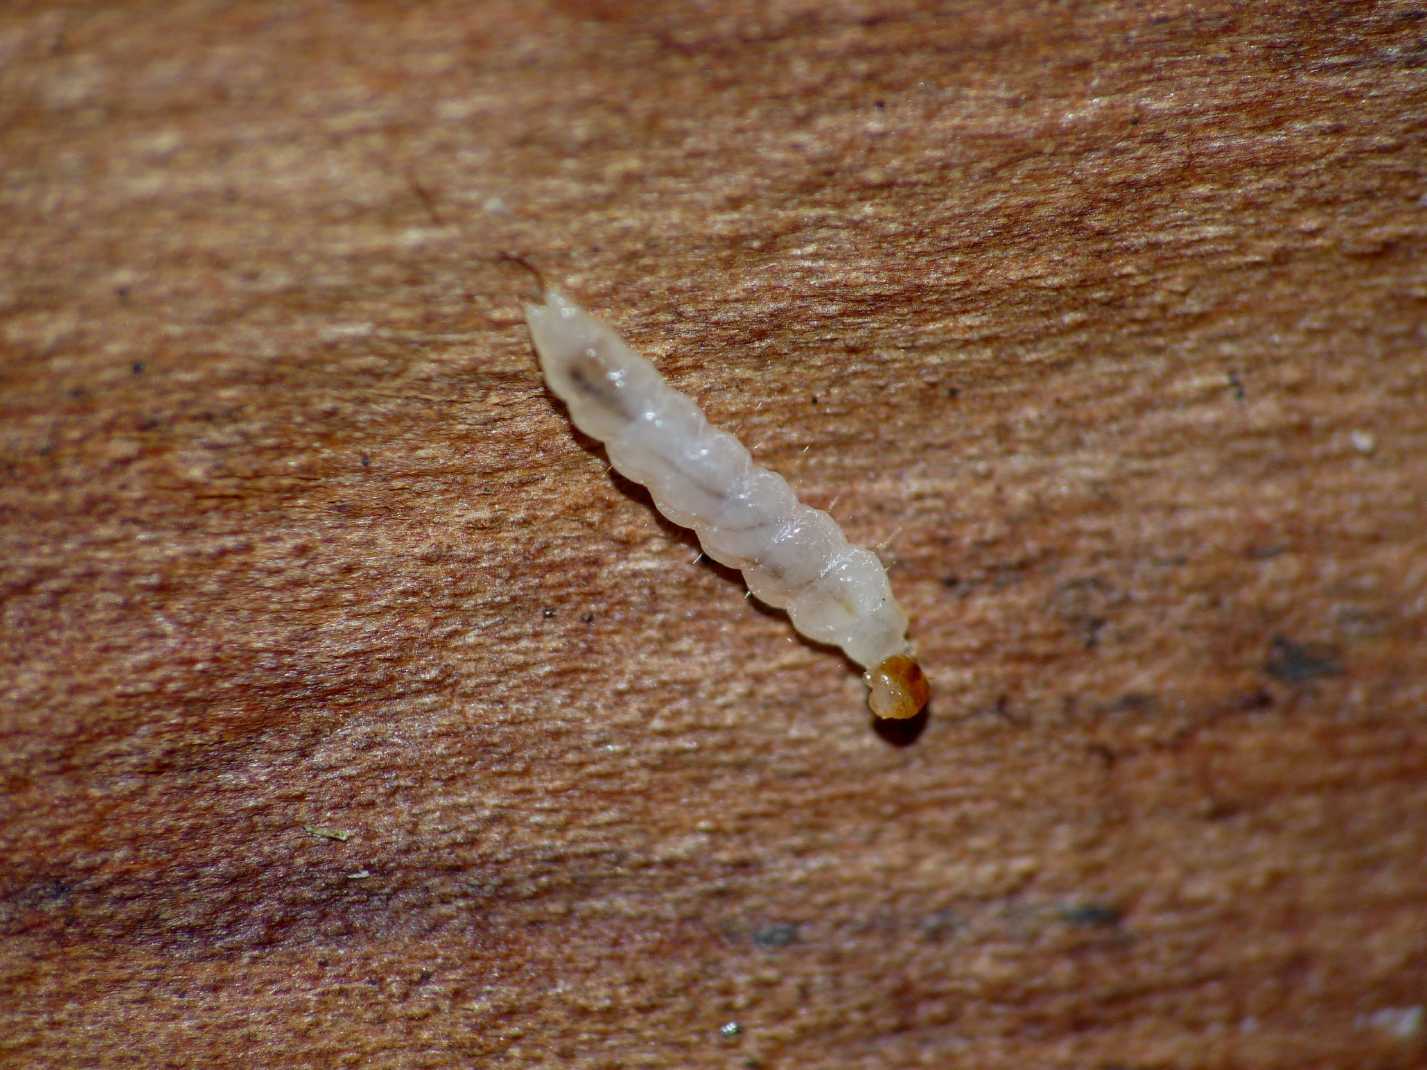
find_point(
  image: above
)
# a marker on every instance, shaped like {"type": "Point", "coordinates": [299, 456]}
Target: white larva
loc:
{"type": "Point", "coordinates": [792, 556]}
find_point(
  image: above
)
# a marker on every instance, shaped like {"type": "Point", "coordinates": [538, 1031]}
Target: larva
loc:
{"type": "Point", "coordinates": [792, 556]}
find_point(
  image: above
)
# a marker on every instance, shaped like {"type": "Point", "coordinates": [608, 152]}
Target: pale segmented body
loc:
{"type": "Point", "coordinates": [792, 556]}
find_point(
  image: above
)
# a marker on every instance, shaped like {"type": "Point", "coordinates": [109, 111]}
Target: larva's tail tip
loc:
{"type": "Point", "coordinates": [521, 262]}
{"type": "Point", "coordinates": [897, 688]}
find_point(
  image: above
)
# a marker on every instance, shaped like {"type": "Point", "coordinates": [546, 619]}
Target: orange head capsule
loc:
{"type": "Point", "coordinates": [897, 688]}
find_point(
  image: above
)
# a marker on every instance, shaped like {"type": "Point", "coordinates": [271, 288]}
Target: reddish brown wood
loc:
{"type": "Point", "coordinates": [1110, 317]}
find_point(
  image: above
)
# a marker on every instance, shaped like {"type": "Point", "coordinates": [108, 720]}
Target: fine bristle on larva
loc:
{"type": "Point", "coordinates": [897, 688]}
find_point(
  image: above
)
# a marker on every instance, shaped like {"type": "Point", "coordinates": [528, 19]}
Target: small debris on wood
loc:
{"type": "Point", "coordinates": [324, 833]}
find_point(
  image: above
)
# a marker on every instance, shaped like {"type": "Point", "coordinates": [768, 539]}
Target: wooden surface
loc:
{"type": "Point", "coordinates": [351, 714]}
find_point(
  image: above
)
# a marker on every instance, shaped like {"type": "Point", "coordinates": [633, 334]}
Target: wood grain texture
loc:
{"type": "Point", "coordinates": [1108, 317]}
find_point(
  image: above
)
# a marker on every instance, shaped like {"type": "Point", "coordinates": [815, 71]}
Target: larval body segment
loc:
{"type": "Point", "coordinates": [792, 556]}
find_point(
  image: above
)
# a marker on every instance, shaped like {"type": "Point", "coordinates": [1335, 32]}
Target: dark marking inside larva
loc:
{"type": "Point", "coordinates": [590, 376]}
{"type": "Point", "coordinates": [674, 457]}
